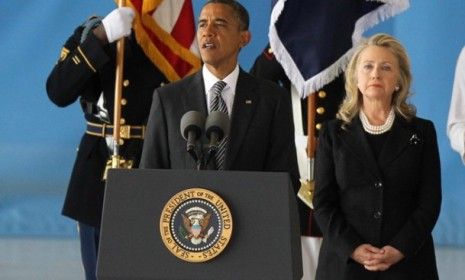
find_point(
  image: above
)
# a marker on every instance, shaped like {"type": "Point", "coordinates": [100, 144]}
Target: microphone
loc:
{"type": "Point", "coordinates": [216, 128]}
{"type": "Point", "coordinates": [191, 126]}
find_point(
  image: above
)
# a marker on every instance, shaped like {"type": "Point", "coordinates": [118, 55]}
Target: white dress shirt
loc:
{"type": "Point", "coordinates": [456, 120]}
{"type": "Point", "coordinates": [229, 90]}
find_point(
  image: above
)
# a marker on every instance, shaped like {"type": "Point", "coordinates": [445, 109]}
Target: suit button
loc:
{"type": "Point", "coordinates": [124, 101]}
{"type": "Point", "coordinates": [318, 126]}
{"type": "Point", "coordinates": [378, 185]}
{"type": "Point", "coordinates": [320, 110]}
{"type": "Point", "coordinates": [377, 215]}
{"type": "Point", "coordinates": [126, 83]}
{"type": "Point", "coordinates": [322, 94]}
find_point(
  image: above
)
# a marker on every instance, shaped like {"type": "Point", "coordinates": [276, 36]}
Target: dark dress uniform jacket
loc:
{"type": "Point", "coordinates": [327, 102]}
{"type": "Point", "coordinates": [261, 130]}
{"type": "Point", "coordinates": [84, 71]}
{"type": "Point", "coordinates": [393, 200]}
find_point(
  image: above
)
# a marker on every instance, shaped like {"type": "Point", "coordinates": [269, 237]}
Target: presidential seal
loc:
{"type": "Point", "coordinates": [196, 225]}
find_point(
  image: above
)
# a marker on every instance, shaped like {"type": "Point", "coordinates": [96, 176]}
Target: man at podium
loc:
{"type": "Point", "coordinates": [261, 134]}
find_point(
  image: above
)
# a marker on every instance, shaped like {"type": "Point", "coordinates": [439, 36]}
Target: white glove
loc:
{"type": "Point", "coordinates": [118, 23]}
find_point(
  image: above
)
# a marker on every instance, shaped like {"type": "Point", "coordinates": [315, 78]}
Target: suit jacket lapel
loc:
{"type": "Point", "coordinates": [396, 142]}
{"type": "Point", "coordinates": [195, 98]}
{"type": "Point", "coordinates": [357, 143]}
{"type": "Point", "coordinates": [245, 103]}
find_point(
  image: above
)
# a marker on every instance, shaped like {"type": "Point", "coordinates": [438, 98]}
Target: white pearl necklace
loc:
{"type": "Point", "coordinates": [377, 129]}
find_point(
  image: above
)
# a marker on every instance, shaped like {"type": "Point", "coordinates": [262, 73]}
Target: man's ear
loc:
{"type": "Point", "coordinates": [246, 36]}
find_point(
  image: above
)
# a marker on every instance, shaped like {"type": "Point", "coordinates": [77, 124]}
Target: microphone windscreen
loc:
{"type": "Point", "coordinates": [192, 121]}
{"type": "Point", "coordinates": [217, 122]}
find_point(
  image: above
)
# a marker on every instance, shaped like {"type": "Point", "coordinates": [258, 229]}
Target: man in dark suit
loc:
{"type": "Point", "coordinates": [261, 134]}
{"type": "Point", "coordinates": [86, 71]}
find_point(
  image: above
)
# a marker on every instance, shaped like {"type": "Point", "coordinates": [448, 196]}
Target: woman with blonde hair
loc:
{"type": "Point", "coordinates": [378, 185]}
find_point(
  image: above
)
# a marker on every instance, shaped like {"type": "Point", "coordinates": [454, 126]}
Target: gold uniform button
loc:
{"type": "Point", "coordinates": [121, 142]}
{"type": "Point", "coordinates": [122, 121]}
{"type": "Point", "coordinates": [320, 110]}
{"type": "Point", "coordinates": [322, 94]}
{"type": "Point", "coordinates": [124, 101]}
{"type": "Point", "coordinates": [126, 83]}
{"type": "Point", "coordinates": [162, 84]}
{"type": "Point", "coordinates": [318, 126]}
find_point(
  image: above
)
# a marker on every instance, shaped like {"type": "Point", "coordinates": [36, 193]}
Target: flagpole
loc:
{"type": "Point", "coordinates": [311, 147]}
{"type": "Point", "coordinates": [311, 141]}
{"type": "Point", "coordinates": [307, 187]}
{"type": "Point", "coordinates": [115, 160]}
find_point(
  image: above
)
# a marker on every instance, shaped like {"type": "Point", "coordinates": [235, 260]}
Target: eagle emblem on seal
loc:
{"type": "Point", "coordinates": [195, 223]}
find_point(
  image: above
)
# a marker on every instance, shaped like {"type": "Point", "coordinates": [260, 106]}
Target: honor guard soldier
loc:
{"type": "Point", "coordinates": [327, 102]}
{"type": "Point", "coordinates": [86, 72]}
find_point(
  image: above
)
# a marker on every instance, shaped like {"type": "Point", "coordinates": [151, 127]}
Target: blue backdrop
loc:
{"type": "Point", "coordinates": [38, 140]}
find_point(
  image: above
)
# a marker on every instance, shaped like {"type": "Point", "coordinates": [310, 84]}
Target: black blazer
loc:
{"type": "Point", "coordinates": [261, 133]}
{"type": "Point", "coordinates": [71, 79]}
{"type": "Point", "coordinates": [394, 200]}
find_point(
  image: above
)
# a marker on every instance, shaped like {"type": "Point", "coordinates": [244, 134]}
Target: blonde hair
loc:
{"type": "Point", "coordinates": [352, 101]}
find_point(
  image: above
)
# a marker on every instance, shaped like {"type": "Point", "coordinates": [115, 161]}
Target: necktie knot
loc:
{"type": "Point", "coordinates": [218, 87]}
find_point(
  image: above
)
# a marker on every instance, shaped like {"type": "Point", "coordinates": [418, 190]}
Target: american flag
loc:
{"type": "Point", "coordinates": [314, 39]}
{"type": "Point", "coordinates": [166, 32]}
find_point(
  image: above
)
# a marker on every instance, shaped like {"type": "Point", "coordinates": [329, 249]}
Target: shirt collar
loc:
{"type": "Point", "coordinates": [231, 80]}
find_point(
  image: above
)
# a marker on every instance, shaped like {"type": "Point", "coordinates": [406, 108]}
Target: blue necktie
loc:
{"type": "Point", "coordinates": [217, 104]}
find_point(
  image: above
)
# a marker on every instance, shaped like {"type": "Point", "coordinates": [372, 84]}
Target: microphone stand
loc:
{"type": "Point", "coordinates": [212, 148]}
{"type": "Point", "coordinates": [198, 156]}
{"type": "Point", "coordinates": [201, 165]}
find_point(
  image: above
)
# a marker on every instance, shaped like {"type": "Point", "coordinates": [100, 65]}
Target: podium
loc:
{"type": "Point", "coordinates": [265, 241]}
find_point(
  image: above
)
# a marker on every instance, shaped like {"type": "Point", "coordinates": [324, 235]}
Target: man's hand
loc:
{"type": "Point", "coordinates": [118, 23]}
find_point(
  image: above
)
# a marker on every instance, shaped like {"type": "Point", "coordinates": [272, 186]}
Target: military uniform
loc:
{"type": "Point", "coordinates": [326, 103]}
{"type": "Point", "coordinates": [85, 71]}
